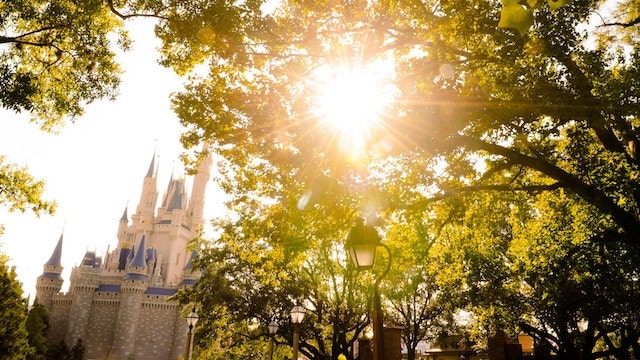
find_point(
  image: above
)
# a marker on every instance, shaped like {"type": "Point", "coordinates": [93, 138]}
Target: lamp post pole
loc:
{"type": "Point", "coordinates": [297, 314]}
{"type": "Point", "coordinates": [361, 245]}
{"type": "Point", "coordinates": [192, 319]}
{"type": "Point", "coordinates": [378, 323]}
{"type": "Point", "coordinates": [273, 329]}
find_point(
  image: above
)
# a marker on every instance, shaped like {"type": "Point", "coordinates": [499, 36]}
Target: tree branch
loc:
{"type": "Point", "coordinates": [631, 23]}
{"type": "Point", "coordinates": [16, 39]}
{"type": "Point", "coordinates": [589, 193]}
{"type": "Point", "coordinates": [127, 16]}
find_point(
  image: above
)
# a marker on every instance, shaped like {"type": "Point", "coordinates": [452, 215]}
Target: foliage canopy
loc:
{"type": "Point", "coordinates": [485, 121]}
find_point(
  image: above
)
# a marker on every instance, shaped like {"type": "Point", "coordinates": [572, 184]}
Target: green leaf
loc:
{"type": "Point", "coordinates": [555, 4]}
{"type": "Point", "coordinates": [515, 16]}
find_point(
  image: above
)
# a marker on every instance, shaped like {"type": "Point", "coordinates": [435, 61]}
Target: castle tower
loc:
{"type": "Point", "coordinates": [122, 308]}
{"type": "Point", "coordinates": [122, 228]}
{"type": "Point", "coordinates": [134, 285]}
{"type": "Point", "coordinates": [196, 202]}
{"type": "Point", "coordinates": [84, 281]}
{"type": "Point", "coordinates": [50, 282]}
{"type": "Point", "coordinates": [145, 213]}
{"type": "Point", "coordinates": [174, 233]}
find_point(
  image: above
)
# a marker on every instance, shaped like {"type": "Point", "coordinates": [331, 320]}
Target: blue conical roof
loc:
{"type": "Point", "coordinates": [56, 256]}
{"type": "Point", "coordinates": [139, 259]}
{"type": "Point", "coordinates": [125, 217]}
{"type": "Point", "coordinates": [191, 258]}
{"type": "Point", "coordinates": [151, 254]}
{"type": "Point", "coordinates": [176, 197]}
{"type": "Point", "coordinates": [151, 166]}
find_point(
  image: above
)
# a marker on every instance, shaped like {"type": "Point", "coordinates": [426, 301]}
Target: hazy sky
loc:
{"type": "Point", "coordinates": [95, 166]}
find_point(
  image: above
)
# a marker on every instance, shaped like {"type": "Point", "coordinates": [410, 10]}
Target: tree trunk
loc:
{"type": "Point", "coordinates": [411, 353]}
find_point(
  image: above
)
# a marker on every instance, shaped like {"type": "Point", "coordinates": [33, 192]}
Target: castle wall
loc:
{"type": "Point", "coordinates": [100, 334]}
{"type": "Point", "coordinates": [159, 315]}
{"type": "Point", "coordinates": [84, 282]}
{"type": "Point", "coordinates": [132, 292]}
{"type": "Point", "coordinates": [59, 318]}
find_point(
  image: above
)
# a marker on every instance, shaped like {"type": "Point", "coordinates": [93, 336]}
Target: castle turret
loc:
{"type": "Point", "coordinates": [145, 213]}
{"type": "Point", "coordinates": [134, 285]}
{"type": "Point", "coordinates": [85, 279]}
{"type": "Point", "coordinates": [122, 229]}
{"type": "Point", "coordinates": [50, 282]}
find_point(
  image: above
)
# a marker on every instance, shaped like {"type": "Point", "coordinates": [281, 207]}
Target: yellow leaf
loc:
{"type": "Point", "coordinates": [516, 16]}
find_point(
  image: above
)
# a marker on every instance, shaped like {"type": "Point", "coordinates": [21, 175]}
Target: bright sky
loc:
{"type": "Point", "coordinates": [94, 167]}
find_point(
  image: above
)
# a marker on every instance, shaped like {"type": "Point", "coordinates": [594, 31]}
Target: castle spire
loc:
{"type": "Point", "coordinates": [142, 219]}
{"type": "Point", "coordinates": [50, 282]}
{"type": "Point", "coordinates": [139, 259]}
{"type": "Point", "coordinates": [177, 199]}
{"type": "Point", "coordinates": [56, 257]}
{"type": "Point", "coordinates": [152, 166]}
{"type": "Point", "coordinates": [125, 217]}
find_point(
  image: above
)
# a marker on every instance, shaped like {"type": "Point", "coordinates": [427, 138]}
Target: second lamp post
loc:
{"type": "Point", "coordinates": [192, 319]}
{"type": "Point", "coordinates": [297, 314]}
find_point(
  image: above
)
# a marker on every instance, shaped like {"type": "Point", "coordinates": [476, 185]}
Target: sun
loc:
{"type": "Point", "coordinates": [352, 102]}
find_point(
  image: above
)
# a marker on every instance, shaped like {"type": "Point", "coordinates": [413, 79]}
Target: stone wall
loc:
{"type": "Point", "coordinates": [99, 337]}
{"type": "Point", "coordinates": [155, 335]}
{"type": "Point", "coordinates": [160, 331]}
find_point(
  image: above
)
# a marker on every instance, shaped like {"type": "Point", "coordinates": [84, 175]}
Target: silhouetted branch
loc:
{"type": "Point", "coordinates": [127, 16]}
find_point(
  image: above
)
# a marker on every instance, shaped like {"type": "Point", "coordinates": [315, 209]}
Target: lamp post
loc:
{"type": "Point", "coordinates": [192, 319]}
{"type": "Point", "coordinates": [297, 314]}
{"type": "Point", "coordinates": [361, 244]}
{"type": "Point", "coordinates": [273, 329]}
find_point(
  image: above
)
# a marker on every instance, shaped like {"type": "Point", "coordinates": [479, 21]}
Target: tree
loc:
{"type": "Point", "coordinates": [57, 58]}
{"type": "Point", "coordinates": [533, 267]}
{"type": "Point", "coordinates": [580, 299]}
{"type": "Point", "coordinates": [411, 288]}
{"type": "Point", "coordinates": [517, 106]}
{"type": "Point", "coordinates": [20, 191]}
{"type": "Point", "coordinates": [517, 116]}
{"type": "Point", "coordinates": [37, 325]}
{"type": "Point", "coordinates": [61, 351]}
{"type": "Point", "coordinates": [77, 351]}
{"type": "Point", "coordinates": [58, 350]}
{"type": "Point", "coordinates": [258, 270]}
{"type": "Point", "coordinates": [13, 334]}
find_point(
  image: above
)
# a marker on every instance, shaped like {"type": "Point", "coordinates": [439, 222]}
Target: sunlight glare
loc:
{"type": "Point", "coordinates": [352, 103]}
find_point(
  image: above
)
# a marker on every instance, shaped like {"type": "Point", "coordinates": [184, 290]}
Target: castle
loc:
{"type": "Point", "coordinates": [119, 307]}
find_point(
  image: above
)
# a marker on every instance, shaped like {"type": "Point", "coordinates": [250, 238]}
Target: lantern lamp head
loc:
{"type": "Point", "coordinates": [361, 244]}
{"type": "Point", "coordinates": [297, 314]}
{"type": "Point", "coordinates": [192, 318]}
{"type": "Point", "coordinates": [273, 327]}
